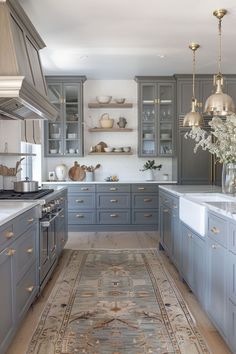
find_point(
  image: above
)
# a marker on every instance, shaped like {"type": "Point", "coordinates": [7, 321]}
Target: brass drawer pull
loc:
{"type": "Point", "coordinates": [84, 189]}
{"type": "Point", "coordinates": [30, 220]}
{"type": "Point", "coordinates": [141, 188]}
{"type": "Point", "coordinates": [175, 206]}
{"type": "Point", "coordinates": [147, 215]}
{"type": "Point", "coordinates": [214, 247]}
{"type": "Point", "coordinates": [29, 250]}
{"type": "Point", "coordinates": [113, 189]}
{"type": "Point", "coordinates": [165, 210]}
{"type": "Point", "coordinates": [80, 216]}
{"type": "Point", "coordinates": [11, 252]}
{"type": "Point", "coordinates": [147, 200]}
{"type": "Point", "coordinates": [79, 200]}
{"type": "Point", "coordinates": [113, 200]}
{"type": "Point", "coordinates": [30, 289]}
{"type": "Point", "coordinates": [114, 215]}
{"type": "Point", "coordinates": [214, 230]}
{"type": "Point", "coordinates": [61, 199]}
{"type": "Point", "coordinates": [9, 234]}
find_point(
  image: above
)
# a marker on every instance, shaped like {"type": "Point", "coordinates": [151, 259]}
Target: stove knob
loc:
{"type": "Point", "coordinates": [44, 209]}
{"type": "Point", "coordinates": [48, 209]}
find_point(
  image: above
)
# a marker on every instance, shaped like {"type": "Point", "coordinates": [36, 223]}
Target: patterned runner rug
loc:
{"type": "Point", "coordinates": [115, 302]}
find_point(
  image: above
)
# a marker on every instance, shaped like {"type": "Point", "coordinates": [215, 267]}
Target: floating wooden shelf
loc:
{"type": "Point", "coordinates": [15, 154]}
{"type": "Point", "coordinates": [110, 153]}
{"type": "Point", "coordinates": [110, 130]}
{"type": "Point", "coordinates": [110, 105]}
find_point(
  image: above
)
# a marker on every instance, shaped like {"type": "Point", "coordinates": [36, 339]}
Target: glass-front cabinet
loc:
{"type": "Point", "coordinates": [65, 135]}
{"type": "Point", "coordinates": [156, 117]}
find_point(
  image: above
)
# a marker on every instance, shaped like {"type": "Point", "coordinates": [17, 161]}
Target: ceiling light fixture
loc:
{"type": "Point", "coordinates": [193, 118]}
{"type": "Point", "coordinates": [219, 104]}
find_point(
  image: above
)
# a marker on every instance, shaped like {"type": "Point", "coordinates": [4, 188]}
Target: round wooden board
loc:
{"type": "Point", "coordinates": [76, 173]}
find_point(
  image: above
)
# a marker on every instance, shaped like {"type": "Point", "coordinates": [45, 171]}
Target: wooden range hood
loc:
{"type": "Point", "coordinates": [23, 90]}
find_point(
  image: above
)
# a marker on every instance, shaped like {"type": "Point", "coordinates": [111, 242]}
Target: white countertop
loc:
{"type": "Point", "coordinates": [227, 209]}
{"type": "Point", "coordinates": [102, 182]}
{"type": "Point", "coordinates": [9, 209]}
{"type": "Point", "coordinates": [181, 190]}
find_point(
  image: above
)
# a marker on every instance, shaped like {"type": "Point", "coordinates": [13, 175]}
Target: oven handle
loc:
{"type": "Point", "coordinates": [48, 223]}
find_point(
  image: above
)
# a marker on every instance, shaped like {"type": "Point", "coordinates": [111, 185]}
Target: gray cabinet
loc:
{"type": "Point", "coordinates": [187, 254]}
{"type": "Point", "coordinates": [165, 228]}
{"type": "Point", "coordinates": [65, 135]}
{"type": "Point", "coordinates": [156, 105]}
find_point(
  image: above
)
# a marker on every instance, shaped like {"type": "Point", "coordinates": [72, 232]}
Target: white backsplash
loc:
{"type": "Point", "coordinates": [125, 167]}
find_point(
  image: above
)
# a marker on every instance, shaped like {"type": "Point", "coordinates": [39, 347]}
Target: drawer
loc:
{"type": "Point", "coordinates": [232, 237]}
{"type": "Point", "coordinates": [25, 254]}
{"type": "Point", "coordinates": [26, 290]}
{"type": "Point", "coordinates": [117, 217]}
{"type": "Point", "coordinates": [145, 188]}
{"type": "Point", "coordinates": [145, 201]}
{"type": "Point", "coordinates": [83, 188]}
{"type": "Point", "coordinates": [217, 229]}
{"type": "Point", "coordinates": [145, 217]}
{"type": "Point", "coordinates": [81, 201]}
{"type": "Point", "coordinates": [109, 201]}
{"type": "Point", "coordinates": [24, 221]}
{"type": "Point", "coordinates": [113, 188]}
{"type": "Point", "coordinates": [82, 218]}
{"type": "Point", "coordinates": [6, 235]}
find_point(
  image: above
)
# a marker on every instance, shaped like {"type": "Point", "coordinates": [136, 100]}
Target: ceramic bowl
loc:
{"type": "Point", "coordinates": [127, 148]}
{"type": "Point", "coordinates": [119, 100]}
{"type": "Point", "coordinates": [103, 99]}
{"type": "Point", "coordinates": [118, 150]}
{"type": "Point", "coordinates": [55, 136]}
{"type": "Point", "coordinates": [107, 123]}
{"type": "Point", "coordinates": [108, 149]}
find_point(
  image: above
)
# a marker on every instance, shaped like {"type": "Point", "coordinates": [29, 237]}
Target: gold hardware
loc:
{"type": "Point", "coordinates": [141, 188]}
{"type": "Point", "coordinates": [219, 13]}
{"type": "Point", "coordinates": [29, 250]}
{"type": "Point", "coordinates": [30, 289]}
{"type": "Point", "coordinates": [79, 201]}
{"type": "Point", "coordinates": [113, 189]}
{"type": "Point", "coordinates": [80, 216]}
{"type": "Point", "coordinates": [214, 230]}
{"type": "Point", "coordinates": [9, 234]}
{"type": "Point", "coordinates": [11, 252]}
{"type": "Point", "coordinates": [214, 247]}
{"type": "Point", "coordinates": [62, 216]}
{"type": "Point", "coordinates": [61, 199]}
{"type": "Point", "coordinates": [84, 189]}
{"type": "Point", "coordinates": [157, 100]}
{"type": "Point", "coordinates": [146, 200]}
{"type": "Point", "coordinates": [147, 215]}
{"type": "Point", "coordinates": [190, 235]}
{"type": "Point", "coordinates": [113, 200]}
{"type": "Point", "coordinates": [165, 210]}
{"type": "Point", "coordinates": [113, 215]}
{"type": "Point", "coordinates": [30, 220]}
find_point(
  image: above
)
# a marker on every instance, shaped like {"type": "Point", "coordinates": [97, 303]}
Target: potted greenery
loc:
{"type": "Point", "coordinates": [149, 167]}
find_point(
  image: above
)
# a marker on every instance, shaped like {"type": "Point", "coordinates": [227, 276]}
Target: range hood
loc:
{"type": "Point", "coordinates": [23, 90]}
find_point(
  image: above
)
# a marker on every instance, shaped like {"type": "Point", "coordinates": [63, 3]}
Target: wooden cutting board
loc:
{"type": "Point", "coordinates": [77, 173]}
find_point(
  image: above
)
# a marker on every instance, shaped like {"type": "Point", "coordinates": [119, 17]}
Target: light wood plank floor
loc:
{"type": "Point", "coordinates": [117, 240]}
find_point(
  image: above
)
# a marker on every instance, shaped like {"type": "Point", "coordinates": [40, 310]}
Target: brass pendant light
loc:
{"type": "Point", "coordinates": [219, 104]}
{"type": "Point", "coordinates": [193, 118]}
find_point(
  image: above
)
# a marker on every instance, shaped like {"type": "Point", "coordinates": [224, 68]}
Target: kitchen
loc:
{"type": "Point", "coordinates": [116, 235]}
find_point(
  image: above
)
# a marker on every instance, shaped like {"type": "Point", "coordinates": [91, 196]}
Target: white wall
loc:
{"type": "Point", "coordinates": [126, 167]}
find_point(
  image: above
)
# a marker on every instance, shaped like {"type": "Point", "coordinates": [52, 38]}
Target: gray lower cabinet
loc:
{"type": "Point", "coordinates": [165, 228]}
{"type": "Point", "coordinates": [18, 272]}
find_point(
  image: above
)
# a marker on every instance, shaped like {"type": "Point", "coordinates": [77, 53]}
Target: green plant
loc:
{"type": "Point", "coordinates": [150, 165]}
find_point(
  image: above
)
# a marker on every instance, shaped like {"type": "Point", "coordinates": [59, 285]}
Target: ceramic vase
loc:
{"type": "Point", "coordinates": [149, 175]}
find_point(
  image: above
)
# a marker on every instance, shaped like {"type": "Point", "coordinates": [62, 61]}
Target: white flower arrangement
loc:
{"type": "Point", "coordinates": [220, 140]}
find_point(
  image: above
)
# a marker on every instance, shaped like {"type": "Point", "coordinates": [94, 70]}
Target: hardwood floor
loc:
{"type": "Point", "coordinates": [117, 240]}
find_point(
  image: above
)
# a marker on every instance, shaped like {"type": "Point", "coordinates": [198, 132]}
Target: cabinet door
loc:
{"type": "Point", "coordinates": [54, 131]}
{"type": "Point", "coordinates": [73, 132]}
{"type": "Point", "coordinates": [194, 168]}
{"type": "Point", "coordinates": [148, 119]}
{"type": "Point", "coordinates": [176, 241]}
{"type": "Point", "coordinates": [187, 261]}
{"type": "Point", "coordinates": [232, 277]}
{"type": "Point", "coordinates": [199, 268]}
{"type": "Point", "coordinates": [6, 298]}
{"type": "Point", "coordinates": [217, 299]}
{"type": "Point", "coordinates": [166, 220]}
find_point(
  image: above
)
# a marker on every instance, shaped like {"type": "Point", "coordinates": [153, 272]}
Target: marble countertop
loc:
{"type": "Point", "coordinates": [103, 182]}
{"type": "Point", "coordinates": [227, 209]}
{"type": "Point", "coordinates": [9, 209]}
{"type": "Point", "coordinates": [181, 190]}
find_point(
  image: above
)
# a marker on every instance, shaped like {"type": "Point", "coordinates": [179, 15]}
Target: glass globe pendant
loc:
{"type": "Point", "coordinates": [219, 104]}
{"type": "Point", "coordinates": [193, 118]}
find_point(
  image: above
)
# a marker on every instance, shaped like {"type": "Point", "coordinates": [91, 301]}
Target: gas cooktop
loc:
{"type": "Point", "coordinates": [11, 194]}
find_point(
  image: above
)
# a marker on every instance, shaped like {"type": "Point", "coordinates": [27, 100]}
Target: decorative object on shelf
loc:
{"type": "Point", "coordinates": [119, 100]}
{"type": "Point", "coordinates": [122, 122]}
{"type": "Point", "coordinates": [105, 121]}
{"type": "Point", "coordinates": [193, 118]}
{"type": "Point", "coordinates": [219, 104]}
{"type": "Point", "coordinates": [110, 105]}
{"type": "Point", "coordinates": [51, 176]}
{"type": "Point", "coordinates": [103, 99]}
{"type": "Point", "coordinates": [221, 142]}
{"type": "Point", "coordinates": [77, 172]}
{"type": "Point", "coordinates": [112, 179]}
{"type": "Point", "coordinates": [149, 167]}
{"type": "Point", "coordinates": [100, 147]}
{"type": "Point", "coordinates": [61, 171]}
{"type": "Point", "coordinates": [108, 149]}
{"type": "Point", "coordinates": [127, 148]}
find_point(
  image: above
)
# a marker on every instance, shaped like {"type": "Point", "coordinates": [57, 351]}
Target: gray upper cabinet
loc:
{"type": "Point", "coordinates": [65, 135]}
{"type": "Point", "coordinates": [156, 105]}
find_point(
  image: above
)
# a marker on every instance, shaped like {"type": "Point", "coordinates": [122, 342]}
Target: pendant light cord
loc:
{"type": "Point", "coordinates": [194, 73]}
{"type": "Point", "coordinates": [219, 47]}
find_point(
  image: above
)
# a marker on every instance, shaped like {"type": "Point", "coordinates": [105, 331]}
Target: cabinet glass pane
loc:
{"type": "Point", "coordinates": [55, 97]}
{"type": "Point", "coordinates": [166, 112]}
{"type": "Point", "coordinates": [55, 147]}
{"type": "Point", "coordinates": [148, 139]}
{"type": "Point", "coordinates": [166, 93]}
{"type": "Point", "coordinates": [166, 143]}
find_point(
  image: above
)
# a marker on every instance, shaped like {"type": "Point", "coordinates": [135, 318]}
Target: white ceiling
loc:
{"type": "Point", "coordinates": [118, 39]}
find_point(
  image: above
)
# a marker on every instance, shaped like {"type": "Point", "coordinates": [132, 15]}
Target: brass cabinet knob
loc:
{"type": "Point", "coordinates": [30, 220]}
{"type": "Point", "coordinates": [61, 199]}
{"type": "Point", "coordinates": [10, 252]}
{"type": "Point", "coordinates": [214, 247]}
{"type": "Point", "coordinates": [8, 234]}
{"type": "Point", "coordinates": [30, 289]}
{"type": "Point", "coordinates": [215, 230]}
{"type": "Point", "coordinates": [30, 250]}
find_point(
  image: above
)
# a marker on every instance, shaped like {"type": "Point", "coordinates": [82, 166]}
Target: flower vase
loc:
{"type": "Point", "coordinates": [229, 178]}
{"type": "Point", "coordinates": [149, 175]}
